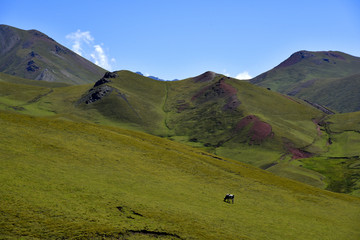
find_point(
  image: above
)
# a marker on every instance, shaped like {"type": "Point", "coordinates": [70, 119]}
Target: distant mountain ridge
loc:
{"type": "Point", "coordinates": [328, 78]}
{"type": "Point", "coordinates": [33, 55]}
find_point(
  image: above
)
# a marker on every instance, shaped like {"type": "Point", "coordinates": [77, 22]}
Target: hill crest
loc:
{"type": "Point", "coordinates": [311, 75]}
{"type": "Point", "coordinates": [34, 55]}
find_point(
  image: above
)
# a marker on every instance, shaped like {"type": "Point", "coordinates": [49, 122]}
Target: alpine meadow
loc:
{"type": "Point", "coordinates": [87, 153]}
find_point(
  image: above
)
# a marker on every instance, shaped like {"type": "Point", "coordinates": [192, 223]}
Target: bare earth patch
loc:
{"type": "Point", "coordinates": [259, 130]}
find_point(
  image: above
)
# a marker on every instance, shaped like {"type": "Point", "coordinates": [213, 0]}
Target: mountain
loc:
{"type": "Point", "coordinates": [65, 179]}
{"type": "Point", "coordinates": [125, 156]}
{"type": "Point", "coordinates": [33, 55]}
{"type": "Point", "coordinates": [327, 78]}
{"type": "Point", "coordinates": [212, 112]}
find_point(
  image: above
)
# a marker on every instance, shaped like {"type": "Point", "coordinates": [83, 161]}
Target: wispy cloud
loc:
{"type": "Point", "coordinates": [243, 76]}
{"type": "Point", "coordinates": [99, 57]}
{"type": "Point", "coordinates": [78, 38]}
{"type": "Point", "coordinates": [84, 45]}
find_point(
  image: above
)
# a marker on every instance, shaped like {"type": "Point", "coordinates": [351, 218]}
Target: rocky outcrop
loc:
{"type": "Point", "coordinates": [105, 79]}
{"type": "Point", "coordinates": [110, 75]}
{"type": "Point", "coordinates": [46, 75]}
{"type": "Point", "coordinates": [32, 67]}
{"type": "Point", "coordinates": [100, 89]}
{"type": "Point", "coordinates": [98, 93]}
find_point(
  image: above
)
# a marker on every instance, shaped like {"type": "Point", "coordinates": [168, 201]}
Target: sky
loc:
{"type": "Point", "coordinates": [177, 39]}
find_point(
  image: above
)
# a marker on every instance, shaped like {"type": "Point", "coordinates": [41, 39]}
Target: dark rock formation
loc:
{"type": "Point", "coordinates": [101, 82]}
{"type": "Point", "coordinates": [110, 75]}
{"type": "Point", "coordinates": [32, 67]}
{"type": "Point", "coordinates": [98, 93]}
{"type": "Point", "coordinates": [60, 50]}
{"type": "Point", "coordinates": [33, 54]}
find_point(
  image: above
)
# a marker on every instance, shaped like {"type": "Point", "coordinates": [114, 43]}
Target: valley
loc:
{"type": "Point", "coordinates": [91, 154]}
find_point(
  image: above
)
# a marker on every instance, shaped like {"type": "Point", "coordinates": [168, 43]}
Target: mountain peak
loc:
{"type": "Point", "coordinates": [313, 76]}
{"type": "Point", "coordinates": [317, 57]}
{"type": "Point", "coordinates": [205, 77]}
{"type": "Point", "coordinates": [295, 58]}
{"type": "Point", "coordinates": [39, 34]}
{"type": "Point", "coordinates": [34, 55]}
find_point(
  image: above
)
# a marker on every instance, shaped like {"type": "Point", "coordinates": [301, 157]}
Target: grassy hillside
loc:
{"type": "Point", "coordinates": [33, 55]}
{"type": "Point", "coordinates": [341, 94]}
{"type": "Point", "coordinates": [340, 163]}
{"type": "Point", "coordinates": [220, 115]}
{"type": "Point", "coordinates": [133, 100]}
{"type": "Point", "coordinates": [65, 179]}
{"type": "Point", "coordinates": [327, 78]}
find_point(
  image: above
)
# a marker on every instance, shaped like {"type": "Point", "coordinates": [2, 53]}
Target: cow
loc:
{"type": "Point", "coordinates": [229, 197]}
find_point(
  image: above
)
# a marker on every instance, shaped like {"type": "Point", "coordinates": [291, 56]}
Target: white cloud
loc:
{"type": "Point", "coordinates": [84, 45]}
{"type": "Point", "coordinates": [243, 76]}
{"type": "Point", "coordinates": [78, 38]}
{"type": "Point", "coordinates": [99, 57]}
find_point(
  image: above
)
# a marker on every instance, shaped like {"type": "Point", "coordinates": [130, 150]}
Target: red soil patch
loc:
{"type": "Point", "coordinates": [297, 153]}
{"type": "Point", "coordinates": [259, 130]}
{"type": "Point", "coordinates": [316, 122]}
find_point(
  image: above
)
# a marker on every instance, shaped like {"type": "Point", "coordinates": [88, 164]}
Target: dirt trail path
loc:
{"type": "Point", "coordinates": [164, 106]}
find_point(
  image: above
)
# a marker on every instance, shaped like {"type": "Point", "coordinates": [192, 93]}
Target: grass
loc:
{"type": "Point", "coordinates": [323, 79]}
{"type": "Point", "coordinates": [64, 179]}
{"type": "Point", "coordinates": [342, 174]}
{"type": "Point", "coordinates": [169, 109]}
{"type": "Point", "coordinates": [340, 94]}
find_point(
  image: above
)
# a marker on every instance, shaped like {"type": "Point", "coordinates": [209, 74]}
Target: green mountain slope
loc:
{"type": "Point", "coordinates": [340, 163]}
{"type": "Point", "coordinates": [327, 78]}
{"type": "Point", "coordinates": [65, 179]}
{"type": "Point", "coordinates": [33, 55]}
{"type": "Point", "coordinates": [223, 116]}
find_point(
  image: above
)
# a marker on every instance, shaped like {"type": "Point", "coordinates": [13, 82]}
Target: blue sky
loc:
{"type": "Point", "coordinates": [179, 39]}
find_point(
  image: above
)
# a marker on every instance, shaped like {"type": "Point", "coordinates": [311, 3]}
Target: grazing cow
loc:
{"type": "Point", "coordinates": [229, 197]}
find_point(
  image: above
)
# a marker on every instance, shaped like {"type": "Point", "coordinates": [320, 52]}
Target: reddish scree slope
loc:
{"type": "Point", "coordinates": [259, 130]}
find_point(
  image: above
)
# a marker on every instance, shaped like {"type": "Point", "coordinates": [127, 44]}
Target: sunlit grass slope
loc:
{"type": "Point", "coordinates": [341, 94]}
{"type": "Point", "coordinates": [197, 113]}
{"type": "Point", "coordinates": [204, 122]}
{"type": "Point", "coordinates": [62, 179]}
{"type": "Point", "coordinates": [135, 101]}
{"type": "Point", "coordinates": [340, 163]}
